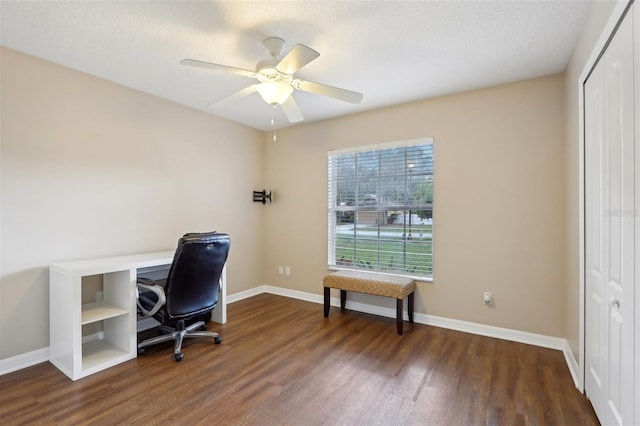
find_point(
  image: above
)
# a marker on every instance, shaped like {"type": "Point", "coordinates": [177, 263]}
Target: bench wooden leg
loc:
{"type": "Point", "coordinates": [327, 296]}
{"type": "Point", "coordinates": [343, 299]}
{"type": "Point", "coordinates": [399, 316]}
{"type": "Point", "coordinates": [410, 306]}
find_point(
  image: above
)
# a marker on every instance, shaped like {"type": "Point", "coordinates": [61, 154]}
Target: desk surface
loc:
{"type": "Point", "coordinates": [113, 264]}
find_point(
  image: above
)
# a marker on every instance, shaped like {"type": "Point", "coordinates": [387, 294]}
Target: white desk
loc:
{"type": "Point", "coordinates": [114, 315]}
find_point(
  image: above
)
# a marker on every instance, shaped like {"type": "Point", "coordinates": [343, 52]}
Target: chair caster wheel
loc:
{"type": "Point", "coordinates": [179, 356]}
{"type": "Point", "coordinates": [204, 327]}
{"type": "Point", "coordinates": [140, 351]}
{"type": "Point", "coordinates": [217, 340]}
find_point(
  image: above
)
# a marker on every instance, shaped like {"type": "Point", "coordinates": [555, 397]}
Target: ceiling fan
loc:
{"type": "Point", "coordinates": [275, 78]}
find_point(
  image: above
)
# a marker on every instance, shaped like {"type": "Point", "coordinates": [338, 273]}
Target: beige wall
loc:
{"type": "Point", "coordinates": [499, 212]}
{"type": "Point", "coordinates": [90, 169]}
{"type": "Point", "coordinates": [600, 12]}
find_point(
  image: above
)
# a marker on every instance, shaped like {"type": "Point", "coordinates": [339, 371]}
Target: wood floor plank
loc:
{"type": "Point", "coordinates": [282, 363]}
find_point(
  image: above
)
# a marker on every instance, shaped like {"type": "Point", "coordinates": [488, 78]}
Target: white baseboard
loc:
{"type": "Point", "coordinates": [300, 295]}
{"type": "Point", "coordinates": [235, 297]}
{"type": "Point", "coordinates": [41, 355]}
{"type": "Point", "coordinates": [574, 369]}
{"type": "Point", "coordinates": [491, 331]}
{"type": "Point", "coordinates": [18, 362]}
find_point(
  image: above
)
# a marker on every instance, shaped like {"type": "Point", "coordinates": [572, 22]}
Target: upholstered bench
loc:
{"type": "Point", "coordinates": [371, 283]}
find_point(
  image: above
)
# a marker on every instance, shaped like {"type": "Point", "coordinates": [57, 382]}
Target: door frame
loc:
{"type": "Point", "coordinates": [596, 52]}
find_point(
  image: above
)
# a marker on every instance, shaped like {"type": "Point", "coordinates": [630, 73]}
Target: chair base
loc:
{"type": "Point", "coordinates": [179, 335]}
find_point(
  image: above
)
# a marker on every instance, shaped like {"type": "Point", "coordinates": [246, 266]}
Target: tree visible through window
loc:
{"type": "Point", "coordinates": [381, 209]}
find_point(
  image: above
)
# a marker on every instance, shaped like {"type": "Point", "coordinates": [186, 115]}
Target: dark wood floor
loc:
{"type": "Point", "coordinates": [281, 362]}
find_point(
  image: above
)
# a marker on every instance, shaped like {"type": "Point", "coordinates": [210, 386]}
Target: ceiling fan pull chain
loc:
{"type": "Point", "coordinates": [273, 123]}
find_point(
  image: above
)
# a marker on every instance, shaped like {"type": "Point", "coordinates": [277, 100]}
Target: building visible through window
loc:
{"type": "Point", "coordinates": [381, 208]}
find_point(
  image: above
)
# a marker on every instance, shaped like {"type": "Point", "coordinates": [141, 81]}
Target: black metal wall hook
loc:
{"type": "Point", "coordinates": [262, 196]}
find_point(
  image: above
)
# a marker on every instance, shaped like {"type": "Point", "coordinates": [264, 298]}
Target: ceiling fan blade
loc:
{"type": "Point", "coordinates": [299, 56]}
{"type": "Point", "coordinates": [234, 96]}
{"type": "Point", "coordinates": [217, 67]}
{"type": "Point", "coordinates": [330, 91]}
{"type": "Point", "coordinates": [291, 110]}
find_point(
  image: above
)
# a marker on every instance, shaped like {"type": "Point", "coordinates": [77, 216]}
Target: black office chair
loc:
{"type": "Point", "coordinates": [189, 293]}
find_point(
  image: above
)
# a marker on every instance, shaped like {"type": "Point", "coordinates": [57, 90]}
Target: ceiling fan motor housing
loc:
{"type": "Point", "coordinates": [274, 45]}
{"type": "Point", "coordinates": [266, 71]}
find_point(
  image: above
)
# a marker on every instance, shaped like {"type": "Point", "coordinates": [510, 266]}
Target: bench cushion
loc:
{"type": "Point", "coordinates": [370, 283]}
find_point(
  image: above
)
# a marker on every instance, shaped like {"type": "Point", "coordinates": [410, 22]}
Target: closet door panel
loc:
{"type": "Point", "coordinates": [594, 229]}
{"type": "Point", "coordinates": [619, 206]}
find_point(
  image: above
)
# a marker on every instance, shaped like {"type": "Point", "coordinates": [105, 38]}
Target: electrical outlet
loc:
{"type": "Point", "coordinates": [99, 296]}
{"type": "Point", "coordinates": [488, 298]}
{"type": "Point", "coordinates": [287, 271]}
{"type": "Point", "coordinates": [280, 270]}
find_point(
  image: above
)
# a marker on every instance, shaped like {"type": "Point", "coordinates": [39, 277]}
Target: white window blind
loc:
{"type": "Point", "coordinates": [381, 209]}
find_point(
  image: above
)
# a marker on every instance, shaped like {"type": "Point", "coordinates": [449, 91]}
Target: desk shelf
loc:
{"type": "Point", "coordinates": [100, 352]}
{"type": "Point", "coordinates": [98, 311]}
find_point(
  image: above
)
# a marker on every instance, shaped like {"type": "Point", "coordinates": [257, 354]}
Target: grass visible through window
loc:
{"type": "Point", "coordinates": [397, 249]}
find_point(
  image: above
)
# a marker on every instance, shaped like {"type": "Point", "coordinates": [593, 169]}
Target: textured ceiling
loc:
{"type": "Point", "coordinates": [391, 51]}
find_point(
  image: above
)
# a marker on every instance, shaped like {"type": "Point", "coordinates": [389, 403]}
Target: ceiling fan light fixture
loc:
{"type": "Point", "coordinates": [274, 92]}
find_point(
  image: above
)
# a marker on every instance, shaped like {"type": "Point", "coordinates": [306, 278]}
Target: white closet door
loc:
{"type": "Point", "coordinates": [609, 202]}
{"type": "Point", "coordinates": [595, 319]}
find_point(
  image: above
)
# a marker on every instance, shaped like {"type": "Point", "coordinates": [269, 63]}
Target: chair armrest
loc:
{"type": "Point", "coordinates": [150, 285]}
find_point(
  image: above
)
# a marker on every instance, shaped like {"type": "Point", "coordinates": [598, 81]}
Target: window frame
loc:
{"type": "Point", "coordinates": [331, 208]}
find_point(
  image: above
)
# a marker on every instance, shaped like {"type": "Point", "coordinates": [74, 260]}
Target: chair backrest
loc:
{"type": "Point", "coordinates": [193, 283]}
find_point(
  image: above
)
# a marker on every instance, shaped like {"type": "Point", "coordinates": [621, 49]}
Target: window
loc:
{"type": "Point", "coordinates": [381, 208]}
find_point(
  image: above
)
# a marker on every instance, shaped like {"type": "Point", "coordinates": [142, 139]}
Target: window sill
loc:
{"type": "Point", "coordinates": [414, 277]}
